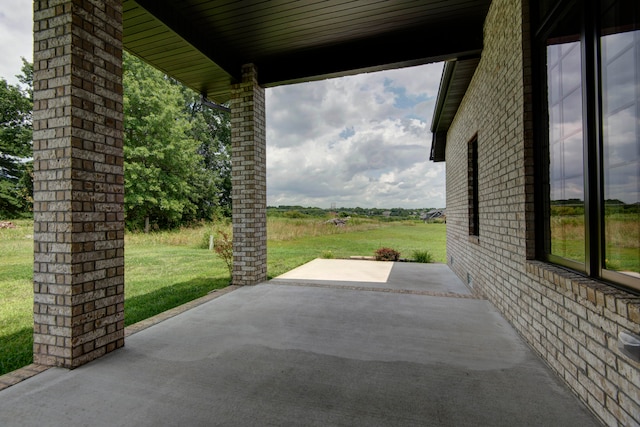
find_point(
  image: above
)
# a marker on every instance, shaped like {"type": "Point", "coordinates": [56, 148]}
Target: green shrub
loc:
{"type": "Point", "coordinates": [206, 238]}
{"type": "Point", "coordinates": [422, 256]}
{"type": "Point", "coordinates": [612, 264]}
{"type": "Point", "coordinates": [387, 254]}
{"type": "Point", "coordinates": [294, 214]}
{"type": "Point", "coordinates": [223, 247]}
{"type": "Point", "coordinates": [327, 255]}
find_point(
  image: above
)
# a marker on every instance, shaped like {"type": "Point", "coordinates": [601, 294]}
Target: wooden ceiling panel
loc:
{"type": "Point", "coordinates": [204, 43]}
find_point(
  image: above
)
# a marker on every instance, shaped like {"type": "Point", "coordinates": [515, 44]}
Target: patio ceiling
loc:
{"type": "Point", "coordinates": [204, 43]}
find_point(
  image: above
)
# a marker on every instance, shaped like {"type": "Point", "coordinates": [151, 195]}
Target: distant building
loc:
{"type": "Point", "coordinates": [433, 214]}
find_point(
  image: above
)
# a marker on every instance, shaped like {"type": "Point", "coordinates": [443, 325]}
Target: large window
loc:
{"type": "Point", "coordinates": [589, 123]}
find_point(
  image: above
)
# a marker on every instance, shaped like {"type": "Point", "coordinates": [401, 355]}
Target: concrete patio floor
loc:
{"type": "Point", "coordinates": [334, 342]}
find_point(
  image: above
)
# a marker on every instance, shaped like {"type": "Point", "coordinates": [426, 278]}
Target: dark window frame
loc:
{"type": "Point", "coordinates": [593, 266]}
{"type": "Point", "coordinates": [473, 186]}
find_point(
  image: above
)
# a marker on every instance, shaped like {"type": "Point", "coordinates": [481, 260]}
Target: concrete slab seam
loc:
{"type": "Point", "coordinates": [384, 290]}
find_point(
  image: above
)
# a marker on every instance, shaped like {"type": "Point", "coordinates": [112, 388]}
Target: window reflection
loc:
{"type": "Point", "coordinates": [566, 170]}
{"type": "Point", "coordinates": [620, 52]}
{"type": "Point", "coordinates": [590, 181]}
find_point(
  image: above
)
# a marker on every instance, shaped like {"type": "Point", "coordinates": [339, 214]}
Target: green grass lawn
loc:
{"type": "Point", "coordinates": [167, 269]}
{"type": "Point", "coordinates": [622, 237]}
{"type": "Point", "coordinates": [405, 237]}
{"type": "Point", "coordinates": [16, 295]}
{"type": "Point", "coordinates": [160, 277]}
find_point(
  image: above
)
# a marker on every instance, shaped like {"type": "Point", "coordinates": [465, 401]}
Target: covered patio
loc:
{"type": "Point", "coordinates": [228, 52]}
{"type": "Point", "coordinates": [313, 349]}
{"type": "Point", "coordinates": [334, 342]}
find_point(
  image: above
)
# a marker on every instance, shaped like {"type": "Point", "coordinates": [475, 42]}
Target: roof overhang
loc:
{"type": "Point", "coordinates": [456, 77]}
{"type": "Point", "coordinates": [204, 43]}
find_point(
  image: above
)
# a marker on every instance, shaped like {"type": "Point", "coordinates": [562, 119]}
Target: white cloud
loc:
{"type": "Point", "coordinates": [355, 141]}
{"type": "Point", "coordinates": [16, 24]}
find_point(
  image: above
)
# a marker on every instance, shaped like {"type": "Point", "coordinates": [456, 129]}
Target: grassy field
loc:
{"type": "Point", "coordinates": [16, 295]}
{"type": "Point", "coordinates": [285, 252]}
{"type": "Point", "coordinates": [622, 240]}
{"type": "Point", "coordinates": [166, 269]}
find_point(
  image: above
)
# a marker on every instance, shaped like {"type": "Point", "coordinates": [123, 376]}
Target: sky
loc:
{"type": "Point", "coordinates": [358, 141]}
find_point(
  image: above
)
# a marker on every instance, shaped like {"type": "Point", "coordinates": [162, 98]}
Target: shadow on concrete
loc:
{"type": "Point", "coordinates": [314, 353]}
{"type": "Point", "coordinates": [141, 307]}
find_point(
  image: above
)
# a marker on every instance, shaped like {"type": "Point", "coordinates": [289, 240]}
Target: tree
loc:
{"type": "Point", "coordinates": [16, 107]}
{"type": "Point", "coordinates": [212, 129]}
{"type": "Point", "coordinates": [163, 171]}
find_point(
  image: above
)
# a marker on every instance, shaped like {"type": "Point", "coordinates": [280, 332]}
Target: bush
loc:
{"type": "Point", "coordinates": [422, 256]}
{"type": "Point", "coordinates": [327, 255]}
{"type": "Point", "coordinates": [206, 238]}
{"type": "Point", "coordinates": [223, 247]}
{"type": "Point", "coordinates": [387, 254]}
{"type": "Point", "coordinates": [294, 214]}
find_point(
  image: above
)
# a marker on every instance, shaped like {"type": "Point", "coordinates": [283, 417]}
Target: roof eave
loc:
{"type": "Point", "coordinates": [455, 80]}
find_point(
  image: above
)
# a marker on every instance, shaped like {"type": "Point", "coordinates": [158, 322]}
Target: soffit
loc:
{"type": "Point", "coordinates": [204, 43]}
{"type": "Point", "coordinates": [456, 77]}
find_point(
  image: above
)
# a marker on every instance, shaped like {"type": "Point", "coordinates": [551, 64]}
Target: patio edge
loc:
{"type": "Point", "coordinates": [14, 377]}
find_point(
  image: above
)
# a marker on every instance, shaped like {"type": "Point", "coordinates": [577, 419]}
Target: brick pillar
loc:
{"type": "Point", "coordinates": [78, 181]}
{"type": "Point", "coordinates": [249, 180]}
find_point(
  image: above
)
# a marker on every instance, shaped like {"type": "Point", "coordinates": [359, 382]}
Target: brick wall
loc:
{"type": "Point", "coordinates": [78, 181]}
{"type": "Point", "coordinates": [249, 179]}
{"type": "Point", "coordinates": [570, 321]}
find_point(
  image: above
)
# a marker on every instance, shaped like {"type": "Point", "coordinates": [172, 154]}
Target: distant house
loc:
{"type": "Point", "coordinates": [433, 214]}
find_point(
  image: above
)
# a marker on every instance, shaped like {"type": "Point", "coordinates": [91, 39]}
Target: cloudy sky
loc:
{"type": "Point", "coordinates": [354, 141]}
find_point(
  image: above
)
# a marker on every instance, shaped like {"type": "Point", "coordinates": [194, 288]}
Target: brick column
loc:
{"type": "Point", "coordinates": [78, 181]}
{"type": "Point", "coordinates": [249, 180]}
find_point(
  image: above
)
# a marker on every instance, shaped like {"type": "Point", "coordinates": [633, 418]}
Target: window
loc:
{"type": "Point", "coordinates": [472, 170]}
{"type": "Point", "coordinates": [589, 116]}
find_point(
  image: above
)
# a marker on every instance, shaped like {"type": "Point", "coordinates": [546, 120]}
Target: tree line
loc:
{"type": "Point", "coordinates": [309, 211]}
{"type": "Point", "coordinates": [177, 152]}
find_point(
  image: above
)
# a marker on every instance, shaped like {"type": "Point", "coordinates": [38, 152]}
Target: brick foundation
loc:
{"type": "Point", "coordinates": [249, 180]}
{"type": "Point", "coordinates": [78, 181]}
